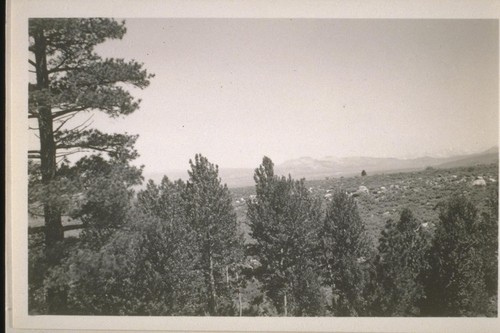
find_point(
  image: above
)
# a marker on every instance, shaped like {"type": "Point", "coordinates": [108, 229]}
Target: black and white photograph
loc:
{"type": "Point", "coordinates": [260, 167]}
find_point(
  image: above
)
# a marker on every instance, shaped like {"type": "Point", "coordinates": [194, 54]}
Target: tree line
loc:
{"type": "Point", "coordinates": [176, 248]}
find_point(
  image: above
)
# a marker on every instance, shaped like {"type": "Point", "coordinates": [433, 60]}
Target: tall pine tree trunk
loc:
{"type": "Point", "coordinates": [212, 306]}
{"type": "Point", "coordinates": [239, 294]}
{"type": "Point", "coordinates": [239, 302]}
{"type": "Point", "coordinates": [53, 225]}
{"type": "Point", "coordinates": [285, 305]}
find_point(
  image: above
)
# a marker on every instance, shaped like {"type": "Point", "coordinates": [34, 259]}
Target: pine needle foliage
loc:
{"type": "Point", "coordinates": [344, 252]}
{"type": "Point", "coordinates": [283, 220]}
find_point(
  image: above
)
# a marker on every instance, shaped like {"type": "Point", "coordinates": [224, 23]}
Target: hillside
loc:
{"type": "Point", "coordinates": [486, 158]}
{"type": "Point", "coordinates": [389, 193]}
{"type": "Point", "coordinates": [330, 166]}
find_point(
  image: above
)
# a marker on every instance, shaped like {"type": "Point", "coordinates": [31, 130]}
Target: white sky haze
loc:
{"type": "Point", "coordinates": [237, 89]}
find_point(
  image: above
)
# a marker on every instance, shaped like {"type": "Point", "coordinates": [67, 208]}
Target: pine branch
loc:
{"type": "Point", "coordinates": [35, 154]}
{"type": "Point", "coordinates": [63, 61]}
{"type": "Point", "coordinates": [65, 120]}
{"type": "Point", "coordinates": [67, 111]}
{"type": "Point", "coordinates": [63, 155]}
{"type": "Point", "coordinates": [83, 147]}
{"type": "Point", "coordinates": [63, 69]}
{"type": "Point", "coordinates": [83, 126]}
{"type": "Point", "coordinates": [40, 229]}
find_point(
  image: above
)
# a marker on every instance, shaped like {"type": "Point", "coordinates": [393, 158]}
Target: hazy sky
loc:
{"type": "Point", "coordinates": [237, 89]}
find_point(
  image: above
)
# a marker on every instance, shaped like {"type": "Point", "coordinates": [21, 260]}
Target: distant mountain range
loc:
{"type": "Point", "coordinates": [331, 166]}
{"type": "Point", "coordinates": [311, 168]}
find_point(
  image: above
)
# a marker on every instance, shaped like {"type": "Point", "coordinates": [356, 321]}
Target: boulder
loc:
{"type": "Point", "coordinates": [479, 182]}
{"type": "Point", "coordinates": [363, 190]}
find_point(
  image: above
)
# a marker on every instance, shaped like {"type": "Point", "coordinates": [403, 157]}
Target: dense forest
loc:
{"type": "Point", "coordinates": [178, 247]}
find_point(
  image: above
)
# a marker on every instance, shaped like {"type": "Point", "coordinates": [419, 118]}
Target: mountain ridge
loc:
{"type": "Point", "coordinates": [329, 166]}
{"type": "Point", "coordinates": [354, 165]}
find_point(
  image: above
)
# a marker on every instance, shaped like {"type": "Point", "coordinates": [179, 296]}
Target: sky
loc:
{"type": "Point", "coordinates": [238, 89]}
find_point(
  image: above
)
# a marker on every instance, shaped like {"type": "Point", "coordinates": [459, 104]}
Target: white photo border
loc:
{"type": "Point", "coordinates": [18, 12]}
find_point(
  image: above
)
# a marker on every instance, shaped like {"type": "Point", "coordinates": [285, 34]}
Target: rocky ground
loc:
{"type": "Point", "coordinates": [382, 196]}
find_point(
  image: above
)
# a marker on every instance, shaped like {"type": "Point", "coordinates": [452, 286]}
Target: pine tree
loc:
{"type": "Point", "coordinates": [399, 265]}
{"type": "Point", "coordinates": [455, 284]}
{"type": "Point", "coordinates": [212, 217]}
{"type": "Point", "coordinates": [95, 193]}
{"type": "Point", "coordinates": [105, 189]}
{"type": "Point", "coordinates": [147, 267]}
{"type": "Point", "coordinates": [344, 250]}
{"type": "Point", "coordinates": [283, 220]}
{"type": "Point", "coordinates": [174, 253]}
{"type": "Point", "coordinates": [71, 79]}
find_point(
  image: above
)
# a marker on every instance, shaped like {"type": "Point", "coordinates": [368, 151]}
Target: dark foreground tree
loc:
{"type": "Point", "coordinates": [211, 215]}
{"type": "Point", "coordinates": [344, 251]}
{"type": "Point", "coordinates": [97, 194]}
{"type": "Point", "coordinates": [178, 253]}
{"type": "Point", "coordinates": [283, 220]}
{"type": "Point", "coordinates": [71, 79]}
{"type": "Point", "coordinates": [145, 268]}
{"type": "Point", "coordinates": [399, 266]}
{"type": "Point", "coordinates": [455, 283]}
{"type": "Point", "coordinates": [104, 197]}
